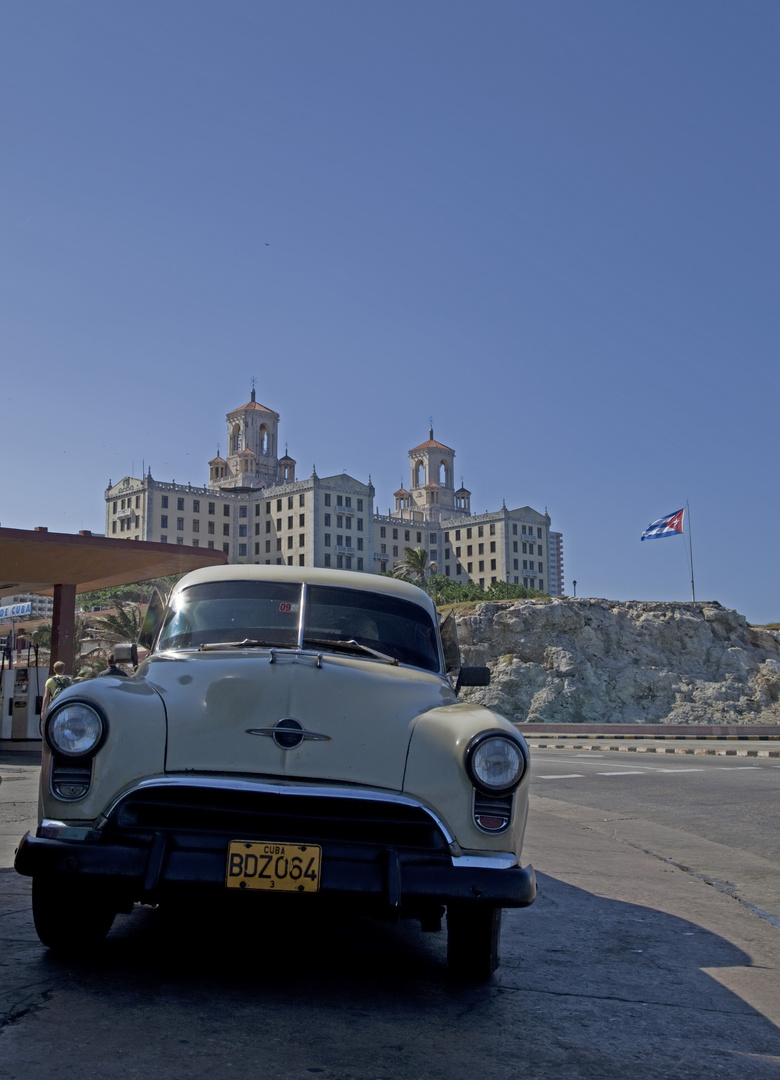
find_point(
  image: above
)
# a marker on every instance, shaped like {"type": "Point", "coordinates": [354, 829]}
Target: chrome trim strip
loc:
{"type": "Point", "coordinates": [49, 829]}
{"type": "Point", "coordinates": [277, 788]}
{"type": "Point", "coordinates": [502, 860]}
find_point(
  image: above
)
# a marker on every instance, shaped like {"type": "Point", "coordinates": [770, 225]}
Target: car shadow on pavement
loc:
{"type": "Point", "coordinates": [589, 989]}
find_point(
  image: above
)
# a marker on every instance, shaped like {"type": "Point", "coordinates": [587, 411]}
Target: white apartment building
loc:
{"type": "Point", "coordinates": [256, 510]}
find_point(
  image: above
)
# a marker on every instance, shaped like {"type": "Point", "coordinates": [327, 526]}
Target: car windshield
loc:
{"type": "Point", "coordinates": [269, 613]}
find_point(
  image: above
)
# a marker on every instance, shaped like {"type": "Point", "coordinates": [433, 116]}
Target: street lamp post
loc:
{"type": "Point", "coordinates": [574, 583]}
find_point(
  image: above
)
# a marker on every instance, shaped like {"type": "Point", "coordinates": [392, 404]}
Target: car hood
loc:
{"type": "Point", "coordinates": [363, 710]}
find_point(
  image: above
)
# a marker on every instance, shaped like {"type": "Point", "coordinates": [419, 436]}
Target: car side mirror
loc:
{"type": "Point", "coordinates": [126, 654]}
{"type": "Point", "coordinates": [473, 676]}
{"type": "Point", "coordinates": [153, 620]}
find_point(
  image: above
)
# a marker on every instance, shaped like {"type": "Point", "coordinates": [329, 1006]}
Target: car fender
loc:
{"type": "Point", "coordinates": [436, 773]}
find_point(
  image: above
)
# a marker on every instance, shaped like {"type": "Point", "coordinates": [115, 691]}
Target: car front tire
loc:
{"type": "Point", "coordinates": [71, 917]}
{"type": "Point", "coordinates": [473, 940]}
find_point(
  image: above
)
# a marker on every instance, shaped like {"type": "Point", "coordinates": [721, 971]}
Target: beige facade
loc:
{"type": "Point", "coordinates": [256, 511]}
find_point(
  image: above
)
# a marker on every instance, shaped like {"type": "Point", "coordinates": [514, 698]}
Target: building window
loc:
{"type": "Point", "coordinates": [360, 564]}
{"type": "Point", "coordinates": [468, 534]}
{"type": "Point", "coordinates": [226, 548]}
{"type": "Point", "coordinates": [383, 568]}
{"type": "Point", "coordinates": [196, 506]}
{"type": "Point", "coordinates": [301, 500]}
{"type": "Point", "coordinates": [395, 534]}
{"type": "Point", "coordinates": [458, 569]}
{"type": "Point", "coordinates": [470, 568]}
{"type": "Point", "coordinates": [113, 526]}
{"type": "Point", "coordinates": [348, 562]}
{"type": "Point", "coordinates": [211, 527]}
{"type": "Point", "coordinates": [339, 521]}
{"type": "Point", "coordinates": [226, 530]}
{"type": "Point", "coordinates": [268, 525]}
{"type": "Point", "coordinates": [348, 501]}
{"type": "Point", "coordinates": [257, 509]}
{"type": "Point", "coordinates": [525, 549]}
{"type": "Point", "coordinates": [163, 503]}
{"type": "Point", "coordinates": [539, 534]}
{"type": "Point", "coordinates": [327, 499]}
{"type": "Point", "coordinates": [257, 528]}
{"type": "Point", "coordinates": [432, 538]}
{"type": "Point", "coordinates": [196, 525]}
{"type": "Point", "coordinates": [257, 549]}
{"type": "Point", "coordinates": [180, 540]}
{"type": "Point", "coordinates": [327, 539]}
{"type": "Point", "coordinates": [395, 551]}
{"type": "Point", "coordinates": [268, 545]}
{"type": "Point", "coordinates": [326, 560]}
{"type": "Point", "coordinates": [163, 521]}
{"type": "Point", "coordinates": [289, 541]}
{"type": "Point", "coordinates": [289, 502]}
{"type": "Point", "coordinates": [538, 549]}
{"type": "Point", "coordinates": [242, 549]}
{"type": "Point", "coordinates": [212, 508]}
{"type": "Point", "coordinates": [525, 564]}
{"type": "Point", "coordinates": [278, 524]}
{"type": "Point", "coordinates": [360, 544]}
{"type": "Point", "coordinates": [301, 540]}
{"type": "Point", "coordinates": [180, 504]}
{"type": "Point", "coordinates": [382, 530]}
{"type": "Point", "coordinates": [541, 585]}
{"type": "Point", "coordinates": [163, 539]}
{"type": "Point", "coordinates": [492, 530]}
{"type": "Point", "coordinates": [242, 511]}
{"type": "Point", "coordinates": [268, 508]}
{"type": "Point", "coordinates": [447, 571]}
{"type": "Point", "coordinates": [481, 549]}
{"type": "Point", "coordinates": [339, 540]}
{"type": "Point", "coordinates": [211, 543]}
{"type": "Point", "coordinates": [492, 564]}
{"type": "Point", "coordinates": [242, 529]}
{"type": "Point", "coordinates": [481, 566]}
{"type": "Point", "coordinates": [514, 532]}
{"type": "Point", "coordinates": [515, 564]}
{"type": "Point", "coordinates": [349, 522]}
{"type": "Point", "coordinates": [301, 560]}
{"type": "Point", "coordinates": [492, 545]}
{"type": "Point", "coordinates": [180, 524]}
{"type": "Point", "coordinates": [469, 549]}
{"type": "Point", "coordinates": [226, 510]}
{"type": "Point", "coordinates": [360, 505]}
{"type": "Point", "coordinates": [301, 521]}
{"type": "Point", "coordinates": [339, 501]}
{"type": "Point", "coordinates": [383, 550]}
{"type": "Point", "coordinates": [407, 536]}
{"type": "Point", "coordinates": [514, 545]}
{"type": "Point", "coordinates": [340, 559]}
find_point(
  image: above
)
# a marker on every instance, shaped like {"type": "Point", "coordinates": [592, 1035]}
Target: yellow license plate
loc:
{"type": "Point", "coordinates": [277, 867]}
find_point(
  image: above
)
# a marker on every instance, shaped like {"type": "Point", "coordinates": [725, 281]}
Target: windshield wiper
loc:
{"type": "Point", "coordinates": [247, 643]}
{"type": "Point", "coordinates": [353, 646]}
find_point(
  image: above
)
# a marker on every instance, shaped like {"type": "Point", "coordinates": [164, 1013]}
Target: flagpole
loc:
{"type": "Point", "coordinates": [690, 548]}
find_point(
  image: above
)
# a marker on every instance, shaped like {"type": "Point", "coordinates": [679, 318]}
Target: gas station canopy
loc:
{"type": "Point", "coordinates": [37, 561]}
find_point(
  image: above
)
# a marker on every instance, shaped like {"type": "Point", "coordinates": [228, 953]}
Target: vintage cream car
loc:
{"type": "Point", "coordinates": [294, 736]}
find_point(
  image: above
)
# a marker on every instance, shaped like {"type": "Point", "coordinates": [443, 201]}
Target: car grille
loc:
{"type": "Point", "coordinates": [259, 815]}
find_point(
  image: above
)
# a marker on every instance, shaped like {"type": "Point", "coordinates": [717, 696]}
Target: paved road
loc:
{"type": "Point", "coordinates": [627, 965]}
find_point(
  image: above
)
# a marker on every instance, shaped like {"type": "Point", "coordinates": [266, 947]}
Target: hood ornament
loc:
{"type": "Point", "coordinates": [288, 733]}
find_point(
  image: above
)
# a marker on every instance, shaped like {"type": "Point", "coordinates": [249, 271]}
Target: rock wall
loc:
{"type": "Point", "coordinates": [600, 661]}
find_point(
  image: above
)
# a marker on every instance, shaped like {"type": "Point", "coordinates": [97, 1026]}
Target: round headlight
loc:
{"type": "Point", "coordinates": [496, 763]}
{"type": "Point", "coordinates": [75, 730]}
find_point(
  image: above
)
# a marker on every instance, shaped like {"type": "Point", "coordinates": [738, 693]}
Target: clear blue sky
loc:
{"type": "Point", "coordinates": [551, 226]}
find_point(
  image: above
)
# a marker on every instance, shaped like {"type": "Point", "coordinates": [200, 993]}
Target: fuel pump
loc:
{"type": "Point", "coordinates": [22, 696]}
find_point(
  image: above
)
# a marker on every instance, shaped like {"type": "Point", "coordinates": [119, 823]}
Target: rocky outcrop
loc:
{"type": "Point", "coordinates": [600, 661]}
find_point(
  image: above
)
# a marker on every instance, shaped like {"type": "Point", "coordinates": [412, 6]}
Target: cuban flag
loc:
{"type": "Point", "coordinates": [670, 525]}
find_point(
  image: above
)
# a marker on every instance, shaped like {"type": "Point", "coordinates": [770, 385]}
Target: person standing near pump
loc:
{"type": "Point", "coordinates": [112, 668]}
{"type": "Point", "coordinates": [58, 681]}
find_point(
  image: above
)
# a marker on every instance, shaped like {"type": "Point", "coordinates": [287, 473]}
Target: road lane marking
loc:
{"type": "Point", "coordinates": [562, 776]}
{"type": "Point", "coordinates": [628, 772]}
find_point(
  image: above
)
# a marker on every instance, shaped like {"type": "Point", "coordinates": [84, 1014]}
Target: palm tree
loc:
{"type": "Point", "coordinates": [414, 566]}
{"type": "Point", "coordinates": [124, 624]}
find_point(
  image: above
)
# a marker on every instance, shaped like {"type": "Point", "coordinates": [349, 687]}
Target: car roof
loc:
{"type": "Point", "coordinates": [314, 575]}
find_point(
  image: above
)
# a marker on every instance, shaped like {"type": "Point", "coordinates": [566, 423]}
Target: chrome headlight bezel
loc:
{"type": "Point", "coordinates": [472, 761]}
{"type": "Point", "coordinates": [95, 728]}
